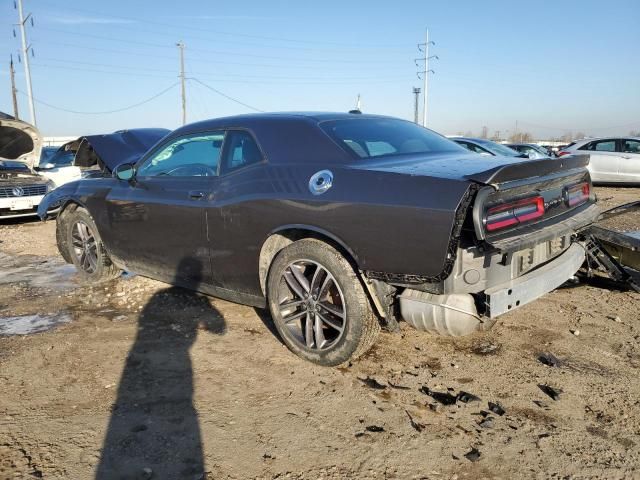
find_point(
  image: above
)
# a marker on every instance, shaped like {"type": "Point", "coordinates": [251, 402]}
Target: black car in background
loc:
{"type": "Point", "coordinates": [487, 147]}
{"type": "Point", "coordinates": [531, 150]}
{"type": "Point", "coordinates": [340, 224]}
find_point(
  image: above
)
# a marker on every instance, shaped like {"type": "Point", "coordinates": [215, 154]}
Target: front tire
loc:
{"type": "Point", "coordinates": [86, 250]}
{"type": "Point", "coordinates": [319, 305]}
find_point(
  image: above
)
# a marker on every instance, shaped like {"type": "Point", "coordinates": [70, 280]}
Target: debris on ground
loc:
{"type": "Point", "coordinates": [372, 383]}
{"type": "Point", "coordinates": [487, 422]}
{"type": "Point", "coordinates": [466, 397]}
{"type": "Point", "coordinates": [486, 348]}
{"type": "Point", "coordinates": [445, 398]}
{"type": "Point", "coordinates": [374, 428]}
{"type": "Point", "coordinates": [549, 359]}
{"type": "Point", "coordinates": [416, 425]}
{"type": "Point", "coordinates": [473, 455]}
{"type": "Point", "coordinates": [496, 408]}
{"type": "Point", "coordinates": [552, 392]}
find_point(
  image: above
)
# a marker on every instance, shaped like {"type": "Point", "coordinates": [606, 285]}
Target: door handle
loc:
{"type": "Point", "coordinates": [197, 194]}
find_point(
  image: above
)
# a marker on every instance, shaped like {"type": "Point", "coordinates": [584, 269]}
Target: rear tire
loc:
{"type": "Point", "coordinates": [85, 248]}
{"type": "Point", "coordinates": [319, 305]}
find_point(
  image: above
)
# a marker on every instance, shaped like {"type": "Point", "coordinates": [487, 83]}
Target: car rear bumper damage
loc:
{"type": "Point", "coordinates": [525, 289]}
{"type": "Point", "coordinates": [457, 313]}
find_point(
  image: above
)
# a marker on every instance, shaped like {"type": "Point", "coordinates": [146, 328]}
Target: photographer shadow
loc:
{"type": "Point", "coordinates": [154, 429]}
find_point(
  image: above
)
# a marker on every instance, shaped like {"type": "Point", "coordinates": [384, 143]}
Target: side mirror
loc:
{"type": "Point", "coordinates": [124, 171]}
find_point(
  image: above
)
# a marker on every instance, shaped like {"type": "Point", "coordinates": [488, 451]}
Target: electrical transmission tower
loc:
{"type": "Point", "coordinates": [180, 45]}
{"type": "Point", "coordinates": [25, 56]}
{"type": "Point", "coordinates": [424, 74]}
{"type": "Point", "coordinates": [416, 105]}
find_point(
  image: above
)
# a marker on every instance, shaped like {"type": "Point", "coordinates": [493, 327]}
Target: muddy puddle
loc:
{"type": "Point", "coordinates": [39, 272]}
{"type": "Point", "coordinates": [30, 324]}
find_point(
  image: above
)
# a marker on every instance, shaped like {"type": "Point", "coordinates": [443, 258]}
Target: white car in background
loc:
{"type": "Point", "coordinates": [21, 189]}
{"type": "Point", "coordinates": [613, 159]}
{"type": "Point", "coordinates": [56, 164]}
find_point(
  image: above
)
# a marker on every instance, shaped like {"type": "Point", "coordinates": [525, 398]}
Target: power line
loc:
{"type": "Point", "coordinates": [232, 75]}
{"type": "Point", "coordinates": [221, 32]}
{"type": "Point", "coordinates": [226, 96]}
{"type": "Point", "coordinates": [217, 77]}
{"type": "Point", "coordinates": [219, 52]}
{"type": "Point", "coordinates": [107, 111]}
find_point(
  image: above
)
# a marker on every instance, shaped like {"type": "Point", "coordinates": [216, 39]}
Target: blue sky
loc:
{"type": "Point", "coordinates": [552, 66]}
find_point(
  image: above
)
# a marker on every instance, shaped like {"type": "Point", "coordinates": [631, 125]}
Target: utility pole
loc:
{"type": "Point", "coordinates": [25, 59]}
{"type": "Point", "coordinates": [180, 45]}
{"type": "Point", "coordinates": [12, 72]}
{"type": "Point", "coordinates": [416, 106]}
{"type": "Point", "coordinates": [425, 73]}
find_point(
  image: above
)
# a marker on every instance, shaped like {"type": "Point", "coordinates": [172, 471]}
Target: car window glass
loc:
{"type": "Point", "coordinates": [375, 137]}
{"type": "Point", "coordinates": [631, 146]}
{"type": "Point", "coordinates": [379, 148]}
{"type": "Point", "coordinates": [241, 150]}
{"type": "Point", "coordinates": [190, 156]}
{"type": "Point", "coordinates": [601, 146]}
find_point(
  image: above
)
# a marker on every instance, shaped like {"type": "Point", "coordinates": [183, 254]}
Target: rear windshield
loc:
{"type": "Point", "coordinates": [376, 137]}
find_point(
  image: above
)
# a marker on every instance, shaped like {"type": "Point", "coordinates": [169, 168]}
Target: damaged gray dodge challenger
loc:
{"type": "Point", "coordinates": [340, 224]}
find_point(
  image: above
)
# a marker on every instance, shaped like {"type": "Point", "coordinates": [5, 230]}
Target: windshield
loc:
{"type": "Point", "coordinates": [500, 149]}
{"type": "Point", "coordinates": [55, 157]}
{"type": "Point", "coordinates": [376, 137]}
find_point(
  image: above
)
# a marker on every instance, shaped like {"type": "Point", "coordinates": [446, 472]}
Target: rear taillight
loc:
{"type": "Point", "coordinates": [514, 213]}
{"type": "Point", "coordinates": [577, 194]}
{"type": "Point", "coordinates": [563, 153]}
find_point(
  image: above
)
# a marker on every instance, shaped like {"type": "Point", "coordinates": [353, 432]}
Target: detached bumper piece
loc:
{"type": "Point", "coordinates": [614, 253]}
{"type": "Point", "coordinates": [522, 290]}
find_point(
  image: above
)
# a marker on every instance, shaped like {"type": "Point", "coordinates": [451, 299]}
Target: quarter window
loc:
{"type": "Point", "coordinates": [196, 155]}
{"type": "Point", "coordinates": [631, 146]}
{"type": "Point", "coordinates": [601, 146]}
{"type": "Point", "coordinates": [240, 150]}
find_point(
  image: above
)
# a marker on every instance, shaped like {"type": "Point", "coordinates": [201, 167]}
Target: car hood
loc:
{"type": "Point", "coordinates": [473, 167]}
{"type": "Point", "coordinates": [112, 149]}
{"type": "Point", "coordinates": [19, 141]}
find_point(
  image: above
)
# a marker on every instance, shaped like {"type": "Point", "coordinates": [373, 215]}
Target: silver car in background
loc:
{"type": "Point", "coordinates": [613, 160]}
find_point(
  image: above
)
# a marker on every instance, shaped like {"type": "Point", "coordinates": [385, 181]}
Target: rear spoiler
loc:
{"type": "Point", "coordinates": [533, 168]}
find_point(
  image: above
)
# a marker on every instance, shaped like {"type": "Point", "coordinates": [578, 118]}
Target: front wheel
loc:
{"type": "Point", "coordinates": [85, 248]}
{"type": "Point", "coordinates": [318, 304]}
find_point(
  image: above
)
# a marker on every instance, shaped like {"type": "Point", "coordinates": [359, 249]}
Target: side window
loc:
{"type": "Point", "coordinates": [601, 146]}
{"type": "Point", "coordinates": [631, 146]}
{"type": "Point", "coordinates": [477, 148]}
{"type": "Point", "coordinates": [195, 155]}
{"type": "Point", "coordinates": [240, 150]}
{"type": "Point", "coordinates": [464, 144]}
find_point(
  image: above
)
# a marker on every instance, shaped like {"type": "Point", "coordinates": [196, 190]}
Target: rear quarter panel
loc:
{"type": "Point", "coordinates": [393, 223]}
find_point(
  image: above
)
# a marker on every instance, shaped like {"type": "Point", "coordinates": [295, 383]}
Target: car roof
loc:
{"type": "Point", "coordinates": [250, 118]}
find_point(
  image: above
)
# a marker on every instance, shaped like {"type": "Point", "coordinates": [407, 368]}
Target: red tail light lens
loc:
{"type": "Point", "coordinates": [577, 195]}
{"type": "Point", "coordinates": [509, 214]}
{"type": "Point", "coordinates": [562, 153]}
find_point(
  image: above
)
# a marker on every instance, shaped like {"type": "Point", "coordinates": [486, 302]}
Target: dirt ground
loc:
{"type": "Point", "coordinates": [155, 382]}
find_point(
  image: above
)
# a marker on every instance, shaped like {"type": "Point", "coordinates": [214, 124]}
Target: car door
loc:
{"type": "Point", "coordinates": [157, 220]}
{"type": "Point", "coordinates": [234, 231]}
{"type": "Point", "coordinates": [629, 169]}
{"type": "Point", "coordinates": [604, 159]}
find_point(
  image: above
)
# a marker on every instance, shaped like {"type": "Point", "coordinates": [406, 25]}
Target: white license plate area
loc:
{"type": "Point", "coordinates": [21, 204]}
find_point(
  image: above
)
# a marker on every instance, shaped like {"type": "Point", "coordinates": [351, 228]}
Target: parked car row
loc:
{"type": "Point", "coordinates": [28, 170]}
{"type": "Point", "coordinates": [612, 160]}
